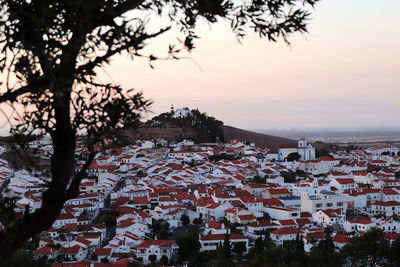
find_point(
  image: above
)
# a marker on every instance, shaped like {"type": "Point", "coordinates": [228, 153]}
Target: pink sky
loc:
{"type": "Point", "coordinates": [345, 72]}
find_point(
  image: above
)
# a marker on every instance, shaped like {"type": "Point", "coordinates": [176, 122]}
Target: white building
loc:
{"type": "Point", "coordinates": [180, 112]}
{"type": "Point", "coordinates": [306, 151]}
{"type": "Point", "coordinates": [282, 213]}
{"type": "Point", "coordinates": [211, 242]}
{"type": "Point", "coordinates": [387, 208]}
{"type": "Point", "coordinates": [324, 201]}
{"type": "Point", "coordinates": [329, 217]}
{"type": "Point", "coordinates": [285, 234]}
{"type": "Point", "coordinates": [159, 248]}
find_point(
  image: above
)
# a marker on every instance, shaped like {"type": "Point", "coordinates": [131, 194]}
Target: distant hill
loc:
{"type": "Point", "coordinates": [229, 132]}
{"type": "Point", "coordinates": [195, 125]}
{"type": "Point", "coordinates": [261, 140]}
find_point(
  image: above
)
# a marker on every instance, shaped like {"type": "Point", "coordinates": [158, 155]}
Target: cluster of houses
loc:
{"type": "Point", "coordinates": [156, 181]}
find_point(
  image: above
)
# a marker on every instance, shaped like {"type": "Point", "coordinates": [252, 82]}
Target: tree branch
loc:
{"type": "Point", "coordinates": [12, 95]}
{"type": "Point", "coordinates": [73, 189]}
{"type": "Point", "coordinates": [101, 59]}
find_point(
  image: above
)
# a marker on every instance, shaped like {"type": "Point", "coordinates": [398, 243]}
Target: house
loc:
{"type": "Point", "coordinates": [388, 225]}
{"type": "Point", "coordinates": [46, 253]}
{"type": "Point", "coordinates": [387, 208]}
{"type": "Point", "coordinates": [282, 213]}
{"type": "Point", "coordinates": [63, 219]}
{"type": "Point", "coordinates": [233, 213]}
{"type": "Point", "coordinates": [211, 211]}
{"type": "Point", "coordinates": [311, 239]}
{"type": "Point", "coordinates": [340, 241]}
{"type": "Point", "coordinates": [276, 193]}
{"type": "Point", "coordinates": [255, 188]}
{"type": "Point", "coordinates": [359, 224]}
{"type": "Point", "coordinates": [212, 241]}
{"type": "Point", "coordinates": [258, 228]}
{"type": "Point", "coordinates": [285, 234]}
{"type": "Point", "coordinates": [74, 253]}
{"type": "Point", "coordinates": [102, 253]}
{"type": "Point", "coordinates": [329, 217]}
{"type": "Point", "coordinates": [325, 200]}
{"type": "Point", "coordinates": [159, 248]}
{"type": "Point", "coordinates": [343, 184]}
{"type": "Point", "coordinates": [252, 203]}
{"type": "Point", "coordinates": [214, 227]}
{"type": "Point", "coordinates": [245, 218]}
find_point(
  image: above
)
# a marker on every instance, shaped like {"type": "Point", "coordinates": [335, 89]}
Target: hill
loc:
{"type": "Point", "coordinates": [192, 124]}
{"type": "Point", "coordinates": [261, 140]}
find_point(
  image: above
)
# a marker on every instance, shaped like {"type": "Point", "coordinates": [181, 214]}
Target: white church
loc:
{"type": "Point", "coordinates": [180, 112]}
{"type": "Point", "coordinates": [306, 151]}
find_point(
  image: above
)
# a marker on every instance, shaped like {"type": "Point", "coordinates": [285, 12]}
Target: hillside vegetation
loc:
{"type": "Point", "coordinates": [205, 128]}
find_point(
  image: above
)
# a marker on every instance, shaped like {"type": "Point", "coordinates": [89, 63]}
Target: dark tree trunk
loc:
{"type": "Point", "coordinates": [62, 169]}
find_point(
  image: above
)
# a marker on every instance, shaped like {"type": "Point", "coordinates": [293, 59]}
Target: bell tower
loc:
{"type": "Point", "coordinates": [302, 143]}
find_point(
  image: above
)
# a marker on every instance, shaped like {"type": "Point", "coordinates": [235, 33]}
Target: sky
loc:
{"type": "Point", "coordinates": [345, 72]}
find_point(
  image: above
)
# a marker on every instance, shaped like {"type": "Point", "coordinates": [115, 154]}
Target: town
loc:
{"type": "Point", "coordinates": [145, 203]}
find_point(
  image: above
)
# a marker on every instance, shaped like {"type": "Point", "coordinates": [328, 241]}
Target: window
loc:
{"type": "Point", "coordinates": [339, 204]}
{"type": "Point", "coordinates": [329, 204]}
{"type": "Point", "coordinates": [319, 205]}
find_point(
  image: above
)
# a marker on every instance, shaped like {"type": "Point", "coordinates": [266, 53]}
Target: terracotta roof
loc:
{"type": "Point", "coordinates": [102, 251]}
{"type": "Point", "coordinates": [387, 203]}
{"type": "Point", "coordinates": [214, 224]}
{"type": "Point", "coordinates": [263, 223]}
{"type": "Point", "coordinates": [44, 251]}
{"type": "Point", "coordinates": [160, 243]}
{"type": "Point", "coordinates": [286, 231]}
{"type": "Point", "coordinates": [339, 238]}
{"type": "Point", "coordinates": [222, 236]}
{"type": "Point", "coordinates": [71, 250]}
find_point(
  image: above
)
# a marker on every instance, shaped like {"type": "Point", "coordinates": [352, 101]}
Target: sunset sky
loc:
{"type": "Point", "coordinates": [345, 72]}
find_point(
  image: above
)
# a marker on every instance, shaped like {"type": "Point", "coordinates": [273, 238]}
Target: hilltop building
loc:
{"type": "Point", "coordinates": [180, 112]}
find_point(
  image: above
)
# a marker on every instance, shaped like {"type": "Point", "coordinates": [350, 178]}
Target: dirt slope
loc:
{"type": "Point", "coordinates": [261, 140]}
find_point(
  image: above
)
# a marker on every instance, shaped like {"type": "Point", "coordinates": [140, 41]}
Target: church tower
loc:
{"type": "Point", "coordinates": [302, 143]}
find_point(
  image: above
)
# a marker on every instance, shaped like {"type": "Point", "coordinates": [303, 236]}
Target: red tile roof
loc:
{"type": "Point", "coordinates": [286, 231]}
{"type": "Point", "coordinates": [160, 243]}
{"type": "Point", "coordinates": [222, 236]}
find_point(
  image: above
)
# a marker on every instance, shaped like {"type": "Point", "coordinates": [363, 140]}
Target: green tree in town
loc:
{"type": "Point", "coordinates": [239, 248]}
{"type": "Point", "coordinates": [227, 247]}
{"type": "Point", "coordinates": [185, 219]}
{"type": "Point", "coordinates": [293, 156]}
{"type": "Point", "coordinates": [325, 252]}
{"type": "Point", "coordinates": [369, 249]}
{"type": "Point", "coordinates": [189, 246]}
{"type": "Point", "coordinates": [152, 258]}
{"type": "Point", "coordinates": [164, 260]}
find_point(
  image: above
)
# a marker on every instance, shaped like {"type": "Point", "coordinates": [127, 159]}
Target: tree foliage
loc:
{"type": "Point", "coordinates": [369, 249]}
{"type": "Point", "coordinates": [208, 128]}
{"type": "Point", "coordinates": [51, 55]}
{"type": "Point", "coordinates": [189, 245]}
{"type": "Point", "coordinates": [293, 156]}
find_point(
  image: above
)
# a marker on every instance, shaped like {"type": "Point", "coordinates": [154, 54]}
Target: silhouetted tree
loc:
{"type": "Point", "coordinates": [227, 246]}
{"type": "Point", "coordinates": [369, 249]}
{"type": "Point", "coordinates": [52, 50]}
{"type": "Point", "coordinates": [188, 245]}
{"type": "Point", "coordinates": [293, 156]}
